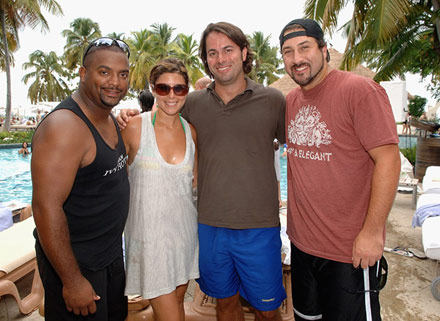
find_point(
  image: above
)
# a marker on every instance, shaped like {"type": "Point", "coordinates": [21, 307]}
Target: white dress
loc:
{"type": "Point", "coordinates": [161, 243]}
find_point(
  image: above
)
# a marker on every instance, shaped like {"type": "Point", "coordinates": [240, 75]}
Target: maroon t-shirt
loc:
{"type": "Point", "coordinates": [330, 129]}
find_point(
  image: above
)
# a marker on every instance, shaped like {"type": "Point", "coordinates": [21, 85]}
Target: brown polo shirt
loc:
{"type": "Point", "coordinates": [236, 180]}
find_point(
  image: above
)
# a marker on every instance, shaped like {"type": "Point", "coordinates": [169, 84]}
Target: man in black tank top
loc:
{"type": "Point", "coordinates": [81, 192]}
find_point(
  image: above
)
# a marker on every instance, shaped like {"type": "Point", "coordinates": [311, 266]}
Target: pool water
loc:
{"type": "Point", "coordinates": [15, 176]}
{"type": "Point", "coordinates": [407, 141]}
{"type": "Point", "coordinates": [283, 174]}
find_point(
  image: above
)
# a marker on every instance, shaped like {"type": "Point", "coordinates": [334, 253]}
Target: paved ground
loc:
{"type": "Point", "coordinates": [406, 297]}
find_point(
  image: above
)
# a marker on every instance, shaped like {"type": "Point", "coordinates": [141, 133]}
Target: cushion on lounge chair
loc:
{"type": "Point", "coordinates": [5, 218]}
{"type": "Point", "coordinates": [17, 259]}
{"type": "Point", "coordinates": [431, 237]}
{"type": "Point", "coordinates": [431, 180]}
{"type": "Point", "coordinates": [17, 245]}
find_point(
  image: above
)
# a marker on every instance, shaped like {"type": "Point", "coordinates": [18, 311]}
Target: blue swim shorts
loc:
{"type": "Point", "coordinates": [248, 261]}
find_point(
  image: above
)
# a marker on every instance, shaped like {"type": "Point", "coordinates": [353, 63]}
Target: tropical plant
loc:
{"type": "Point", "coordinates": [115, 35]}
{"type": "Point", "coordinates": [147, 47]}
{"type": "Point", "coordinates": [12, 47]}
{"type": "Point", "coordinates": [48, 75]}
{"type": "Point", "coordinates": [84, 30]}
{"type": "Point", "coordinates": [162, 38]}
{"type": "Point", "coordinates": [16, 14]}
{"type": "Point", "coordinates": [142, 58]}
{"type": "Point", "coordinates": [410, 154]}
{"type": "Point", "coordinates": [16, 137]}
{"type": "Point", "coordinates": [416, 106]}
{"type": "Point", "coordinates": [187, 51]}
{"type": "Point", "coordinates": [393, 37]}
{"type": "Point", "coordinates": [266, 61]}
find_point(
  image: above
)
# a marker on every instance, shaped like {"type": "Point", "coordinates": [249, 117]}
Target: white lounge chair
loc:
{"type": "Point", "coordinates": [431, 180]}
{"type": "Point", "coordinates": [17, 259]}
{"type": "Point", "coordinates": [431, 224]}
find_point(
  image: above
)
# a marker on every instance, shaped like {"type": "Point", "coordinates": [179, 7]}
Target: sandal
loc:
{"type": "Point", "coordinates": [398, 250]}
{"type": "Point", "coordinates": [417, 253]}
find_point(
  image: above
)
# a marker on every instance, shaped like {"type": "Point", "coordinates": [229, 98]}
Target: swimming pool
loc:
{"type": "Point", "coordinates": [407, 141]}
{"type": "Point", "coordinates": [15, 176]}
{"type": "Point", "coordinates": [283, 172]}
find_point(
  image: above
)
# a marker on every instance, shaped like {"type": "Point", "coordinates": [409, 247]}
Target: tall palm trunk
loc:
{"type": "Point", "coordinates": [7, 123]}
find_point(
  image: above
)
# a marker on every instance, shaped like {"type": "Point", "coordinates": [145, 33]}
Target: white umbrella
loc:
{"type": "Point", "coordinates": [43, 107]}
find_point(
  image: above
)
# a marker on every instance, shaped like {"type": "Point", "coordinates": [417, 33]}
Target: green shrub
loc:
{"type": "Point", "coordinates": [416, 106]}
{"type": "Point", "coordinates": [410, 154]}
{"type": "Point", "coordinates": [16, 137]}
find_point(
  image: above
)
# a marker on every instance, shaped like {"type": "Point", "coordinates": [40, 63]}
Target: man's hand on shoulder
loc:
{"type": "Point", "coordinates": [124, 117]}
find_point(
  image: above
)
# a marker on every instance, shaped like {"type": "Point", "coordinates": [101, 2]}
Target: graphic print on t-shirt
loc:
{"type": "Point", "coordinates": [308, 130]}
{"type": "Point", "coordinates": [122, 161]}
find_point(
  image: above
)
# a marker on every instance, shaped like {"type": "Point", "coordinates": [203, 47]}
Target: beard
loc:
{"type": "Point", "coordinates": [110, 102]}
{"type": "Point", "coordinates": [307, 80]}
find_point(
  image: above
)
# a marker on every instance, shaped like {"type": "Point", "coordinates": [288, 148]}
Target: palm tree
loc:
{"type": "Point", "coordinates": [16, 14]}
{"type": "Point", "coordinates": [142, 58]}
{"type": "Point", "coordinates": [266, 62]}
{"type": "Point", "coordinates": [12, 47]}
{"type": "Point", "coordinates": [83, 31]}
{"type": "Point", "coordinates": [162, 37]}
{"type": "Point", "coordinates": [393, 36]}
{"type": "Point", "coordinates": [187, 51]}
{"type": "Point", "coordinates": [116, 35]}
{"type": "Point", "coordinates": [48, 74]}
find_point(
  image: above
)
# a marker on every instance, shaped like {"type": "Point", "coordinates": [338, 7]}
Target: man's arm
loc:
{"type": "Point", "coordinates": [281, 127]}
{"type": "Point", "coordinates": [131, 136]}
{"type": "Point", "coordinates": [368, 245]}
{"type": "Point", "coordinates": [60, 148]}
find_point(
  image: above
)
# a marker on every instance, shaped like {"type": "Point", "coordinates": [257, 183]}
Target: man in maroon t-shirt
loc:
{"type": "Point", "coordinates": [343, 169]}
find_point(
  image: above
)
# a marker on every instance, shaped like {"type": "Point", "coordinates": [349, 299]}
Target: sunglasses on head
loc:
{"type": "Point", "coordinates": [107, 42]}
{"type": "Point", "coordinates": [164, 89]}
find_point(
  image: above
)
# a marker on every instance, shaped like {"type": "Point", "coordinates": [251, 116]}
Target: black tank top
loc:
{"type": "Point", "coordinates": [97, 206]}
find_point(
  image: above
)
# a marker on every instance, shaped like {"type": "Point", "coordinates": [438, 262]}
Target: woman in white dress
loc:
{"type": "Point", "coordinates": [161, 246]}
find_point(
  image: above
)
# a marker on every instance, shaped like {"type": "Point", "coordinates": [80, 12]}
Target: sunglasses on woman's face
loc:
{"type": "Point", "coordinates": [164, 89]}
{"type": "Point", "coordinates": [107, 42]}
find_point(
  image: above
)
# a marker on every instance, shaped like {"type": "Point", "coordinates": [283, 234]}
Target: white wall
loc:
{"type": "Point", "coordinates": [398, 96]}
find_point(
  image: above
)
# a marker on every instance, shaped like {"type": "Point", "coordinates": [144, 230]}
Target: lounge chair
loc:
{"type": "Point", "coordinates": [431, 180]}
{"type": "Point", "coordinates": [406, 180]}
{"type": "Point", "coordinates": [17, 259]}
{"type": "Point", "coordinates": [428, 208]}
{"type": "Point", "coordinates": [139, 310]}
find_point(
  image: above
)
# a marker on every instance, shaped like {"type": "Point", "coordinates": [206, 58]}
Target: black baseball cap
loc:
{"type": "Point", "coordinates": [311, 29]}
